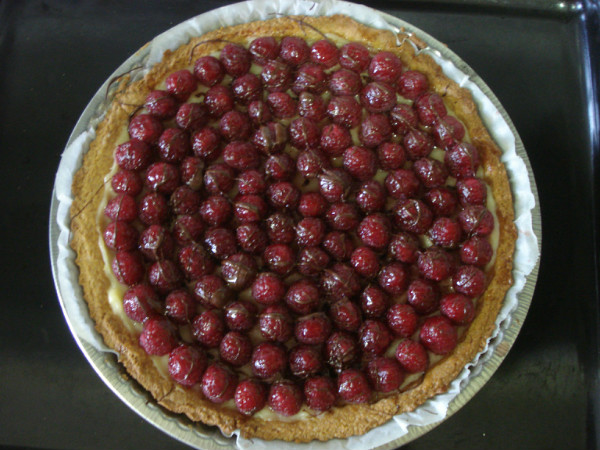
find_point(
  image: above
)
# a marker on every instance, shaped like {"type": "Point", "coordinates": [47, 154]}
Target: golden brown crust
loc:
{"type": "Point", "coordinates": [340, 422]}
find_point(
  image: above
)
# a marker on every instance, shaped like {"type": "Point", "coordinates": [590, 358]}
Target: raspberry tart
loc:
{"type": "Point", "coordinates": [296, 228]}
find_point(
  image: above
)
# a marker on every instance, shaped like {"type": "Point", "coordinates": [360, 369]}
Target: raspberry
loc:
{"type": "Point", "coordinates": [385, 374]}
{"type": "Point", "coordinates": [206, 143]}
{"type": "Point", "coordinates": [391, 155]}
{"type": "Point", "coordinates": [374, 337]}
{"type": "Point", "coordinates": [219, 99]}
{"type": "Point", "coordinates": [181, 84]}
{"type": "Point", "coordinates": [146, 128]}
{"type": "Point", "coordinates": [378, 97]}
{"type": "Point", "coordinates": [164, 276]}
{"type": "Point", "coordinates": [339, 245]}
{"type": "Point", "coordinates": [126, 182]}
{"type": "Point", "coordinates": [191, 116]}
{"type": "Point", "coordinates": [251, 238]}
{"type": "Point", "coordinates": [402, 183]}
{"type": "Point", "coordinates": [353, 386]}
{"type": "Point", "coordinates": [385, 66]}
{"type": "Point", "coordinates": [294, 50]}
{"type": "Point", "coordinates": [268, 360]}
{"type": "Point", "coordinates": [469, 280]}
{"type": "Point", "coordinates": [423, 296]}
{"type": "Point", "coordinates": [431, 172]}
{"type": "Point", "coordinates": [192, 172]}
{"type": "Point", "coordinates": [276, 76]}
{"type": "Point", "coordinates": [310, 232]}
{"type": "Point", "coordinates": [354, 56]}
{"type": "Point", "coordinates": [251, 182]}
{"type": "Point", "coordinates": [280, 258]}
{"type": "Point", "coordinates": [304, 133]}
{"type": "Point", "coordinates": [311, 106]}
{"type": "Point", "coordinates": [219, 383]}
{"type": "Point", "coordinates": [346, 315]}
{"type": "Point", "coordinates": [133, 155]}
{"type": "Point", "coordinates": [215, 210]}
{"type": "Point", "coordinates": [259, 112]}
{"type": "Point", "coordinates": [276, 324]}
{"type": "Point", "coordinates": [403, 118]}
{"type": "Point", "coordinates": [235, 348]}
{"type": "Point", "coordinates": [280, 166]}
{"type": "Point", "coordinates": [239, 270]}
{"type": "Point", "coordinates": [153, 208]}
{"type": "Point", "coordinates": [471, 191]}
{"type": "Point", "coordinates": [120, 236]}
{"type": "Point", "coordinates": [342, 216]}
{"type": "Point", "coordinates": [285, 398]}
{"type": "Point", "coordinates": [345, 82]}
{"type": "Point", "coordinates": [194, 262]}
{"type": "Point", "coordinates": [310, 78]}
{"type": "Point", "coordinates": [448, 132]}
{"type": "Point", "coordinates": [180, 306]}
{"type": "Point", "coordinates": [220, 242]}
{"type": "Point", "coordinates": [161, 104]}
{"type": "Point", "coordinates": [241, 155]}
{"type": "Point", "coordinates": [141, 302]}
{"type": "Point", "coordinates": [303, 297]}
{"type": "Point", "coordinates": [268, 288]}
{"type": "Point", "coordinates": [441, 200]}
{"type": "Point", "coordinates": [281, 104]}
{"type": "Point", "coordinates": [413, 215]}
{"type": "Point", "coordinates": [462, 160]}
{"type": "Point", "coordinates": [319, 393]}
{"type": "Point", "coordinates": [417, 144]}
{"type": "Point", "coordinates": [412, 83]}
{"type": "Point", "coordinates": [283, 194]}
{"type": "Point", "coordinates": [247, 88]}
{"type": "Point", "coordinates": [270, 138]}
{"type": "Point", "coordinates": [219, 178]}
{"type": "Point", "coordinates": [187, 229]}
{"type": "Point", "coordinates": [373, 301]}
{"type": "Point", "coordinates": [438, 335]}
{"type": "Point", "coordinates": [402, 319]}
{"type": "Point", "coordinates": [412, 356]}
{"type": "Point", "coordinates": [335, 139]}
{"type": "Point", "coordinates": [393, 278]}
{"type": "Point", "coordinates": [208, 328]}
{"type": "Point", "coordinates": [374, 231]}
{"type": "Point", "coordinates": [312, 204]}
{"type": "Point", "coordinates": [324, 52]}
{"type": "Point", "coordinates": [187, 364]}
{"type": "Point", "coordinates": [184, 200]}
{"type": "Point", "coordinates": [156, 243]}
{"type": "Point", "coordinates": [249, 208]}
{"type": "Point", "coordinates": [476, 220]}
{"type": "Point", "coordinates": [235, 59]}
{"type": "Point", "coordinates": [305, 361]}
{"type": "Point", "coordinates": [446, 232]}
{"type": "Point", "coordinates": [476, 251]}
{"type": "Point", "coordinates": [345, 111]}
{"type": "Point", "coordinates": [340, 281]}
{"type": "Point", "coordinates": [334, 184]}
{"type": "Point", "coordinates": [370, 196]}
{"type": "Point", "coordinates": [235, 126]}
{"type": "Point", "coordinates": [250, 396]}
{"type": "Point", "coordinates": [162, 177]}
{"type": "Point", "coordinates": [434, 264]}
{"type": "Point", "coordinates": [360, 162]}
{"type": "Point", "coordinates": [458, 308]}
{"type": "Point", "coordinates": [365, 262]}
{"type": "Point", "coordinates": [404, 247]}
{"type": "Point", "coordinates": [211, 291]}
{"type": "Point", "coordinates": [240, 315]}
{"type": "Point", "coordinates": [263, 49]}
{"type": "Point", "coordinates": [312, 261]}
{"type": "Point", "coordinates": [280, 228]}
{"type": "Point", "coordinates": [158, 336]}
{"type": "Point", "coordinates": [430, 107]}
{"type": "Point", "coordinates": [208, 70]}
{"type": "Point", "coordinates": [312, 329]}
{"type": "Point", "coordinates": [341, 350]}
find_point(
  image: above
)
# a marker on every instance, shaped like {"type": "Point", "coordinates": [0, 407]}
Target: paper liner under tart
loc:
{"type": "Point", "coordinates": [341, 421]}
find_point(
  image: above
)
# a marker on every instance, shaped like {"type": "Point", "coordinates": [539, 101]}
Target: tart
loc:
{"type": "Point", "coordinates": [295, 228]}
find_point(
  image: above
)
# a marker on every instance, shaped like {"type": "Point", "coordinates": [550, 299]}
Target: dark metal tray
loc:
{"type": "Point", "coordinates": [535, 56]}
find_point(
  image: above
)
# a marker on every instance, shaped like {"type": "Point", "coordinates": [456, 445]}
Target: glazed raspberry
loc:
{"type": "Point", "coordinates": [259, 112]}
{"type": "Point", "coordinates": [311, 106]}
{"type": "Point", "coordinates": [215, 210]}
{"type": "Point", "coordinates": [219, 383]}
{"type": "Point", "coordinates": [342, 216]}
{"type": "Point", "coordinates": [430, 107]}
{"type": "Point", "coordinates": [324, 52]}
{"type": "Point", "coordinates": [312, 261]}
{"type": "Point", "coordinates": [161, 104]}
{"type": "Point", "coordinates": [341, 350]}
{"type": "Point", "coordinates": [268, 360]}
{"type": "Point", "coordinates": [374, 231]}
{"type": "Point", "coordinates": [156, 243]}
{"type": "Point", "coordinates": [133, 155]}
{"type": "Point", "coordinates": [423, 296]}
{"type": "Point", "coordinates": [370, 196]}
{"type": "Point", "coordinates": [335, 139]}
{"type": "Point", "coordinates": [194, 262]}
{"type": "Point", "coordinates": [354, 56]}
{"type": "Point", "coordinates": [469, 280]}
{"type": "Point", "coordinates": [345, 82]}
{"type": "Point", "coordinates": [402, 319]}
{"type": "Point", "coordinates": [391, 155]}
{"type": "Point", "coordinates": [393, 278]}
{"type": "Point", "coordinates": [280, 258]}
{"type": "Point", "coordinates": [184, 200]}
{"type": "Point", "coordinates": [208, 70]}
{"type": "Point", "coordinates": [268, 288]}
{"type": "Point", "coordinates": [235, 125]}
{"type": "Point", "coordinates": [344, 111]}
{"type": "Point", "coordinates": [162, 177]}
{"type": "Point", "coordinates": [310, 231]}
{"type": "Point", "coordinates": [339, 245]}
{"type": "Point", "coordinates": [220, 242]}
{"type": "Point", "coordinates": [241, 155]}
{"type": "Point", "coordinates": [458, 308]}
{"type": "Point", "coordinates": [280, 166]}
{"type": "Point", "coordinates": [403, 118]}
{"type": "Point", "coordinates": [158, 336]}
{"type": "Point", "coordinates": [412, 83]}
{"type": "Point", "coordinates": [334, 184]}
{"type": "Point", "coordinates": [270, 138]}
{"type": "Point", "coordinates": [471, 191]}
{"type": "Point", "coordinates": [413, 215]}
{"type": "Point", "coordinates": [280, 228]}
{"type": "Point", "coordinates": [446, 232]}
{"type": "Point", "coordinates": [365, 262]}
{"type": "Point", "coordinates": [192, 172]}
{"type": "Point", "coordinates": [206, 143]}
{"type": "Point", "coordinates": [431, 172]}
{"type": "Point", "coordinates": [249, 208]}
{"type": "Point", "coordinates": [264, 48]}
{"type": "Point", "coordinates": [281, 104]}
{"type": "Point", "coordinates": [313, 329]}
{"type": "Point", "coordinates": [434, 264]}
{"type": "Point", "coordinates": [283, 194]}
{"type": "Point", "coordinates": [235, 348]}
{"type": "Point", "coordinates": [476, 251]}
{"type": "Point", "coordinates": [441, 200]}
{"type": "Point", "coordinates": [360, 162]}
{"type": "Point", "coordinates": [378, 97]}
{"type": "Point", "coordinates": [251, 238]}
{"type": "Point", "coordinates": [319, 393]}
{"type": "Point", "coordinates": [285, 398]}
{"type": "Point", "coordinates": [153, 208]}
{"type": "Point", "coordinates": [121, 236]}
{"type": "Point", "coordinates": [374, 337]}
{"type": "Point", "coordinates": [219, 99]}
{"type": "Point", "coordinates": [187, 364]}
{"type": "Point", "coordinates": [276, 323]}
{"type": "Point", "coordinates": [353, 386]}
{"type": "Point", "coordinates": [247, 88]}
{"type": "Point", "coordinates": [404, 247]}
{"type": "Point", "coordinates": [211, 291]}
{"type": "Point", "coordinates": [476, 220]}
{"type": "Point", "coordinates": [412, 356]}
{"type": "Point", "coordinates": [219, 178]}
{"type": "Point", "coordinates": [438, 335]}
{"type": "Point", "coordinates": [385, 66]}
{"type": "Point", "coordinates": [303, 296]}
{"type": "Point", "coordinates": [304, 133]}
{"type": "Point", "coordinates": [238, 271]}
{"type": "Point", "coordinates": [164, 276]}
{"type": "Point", "coordinates": [181, 84]}
{"type": "Point", "coordinates": [180, 306]}
{"type": "Point", "coordinates": [340, 281]}
{"type": "Point", "coordinates": [385, 374]}
{"type": "Point", "coordinates": [346, 315]}
{"type": "Point", "coordinates": [128, 267]}
{"type": "Point", "coordinates": [402, 183]}
{"type": "Point", "coordinates": [146, 128]}
{"type": "Point", "coordinates": [462, 160]}
{"type": "Point", "coordinates": [305, 361]}
{"type": "Point", "coordinates": [312, 204]}
{"type": "Point", "coordinates": [417, 144]}
{"type": "Point", "coordinates": [235, 60]}
{"type": "Point", "coordinates": [127, 182]}
{"type": "Point", "coordinates": [310, 78]}
{"type": "Point", "coordinates": [141, 302]}
{"type": "Point", "coordinates": [448, 132]}
{"type": "Point", "coordinates": [373, 301]}
{"type": "Point", "coordinates": [294, 50]}
{"type": "Point", "coordinates": [240, 315]}
{"type": "Point", "coordinates": [276, 76]}
{"type": "Point", "coordinates": [250, 396]}
{"type": "Point", "coordinates": [208, 328]}
{"type": "Point", "coordinates": [251, 182]}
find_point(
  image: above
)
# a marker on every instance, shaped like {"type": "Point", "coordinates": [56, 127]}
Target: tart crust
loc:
{"type": "Point", "coordinates": [339, 422]}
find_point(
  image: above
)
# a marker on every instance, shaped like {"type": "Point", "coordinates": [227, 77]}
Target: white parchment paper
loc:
{"type": "Point", "coordinates": [526, 255]}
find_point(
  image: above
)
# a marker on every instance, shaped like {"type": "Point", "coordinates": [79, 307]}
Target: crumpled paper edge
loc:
{"type": "Point", "coordinates": [435, 409]}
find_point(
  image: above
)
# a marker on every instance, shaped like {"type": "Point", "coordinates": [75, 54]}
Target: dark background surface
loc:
{"type": "Point", "coordinates": [54, 55]}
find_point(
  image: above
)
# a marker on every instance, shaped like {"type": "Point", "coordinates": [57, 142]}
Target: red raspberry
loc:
{"type": "Point", "coordinates": [294, 50]}
{"type": "Point", "coordinates": [430, 107]}
{"type": "Point", "coordinates": [403, 118]}
{"type": "Point", "coordinates": [192, 116]}
{"type": "Point", "coordinates": [128, 267]}
{"type": "Point", "coordinates": [385, 374]}
{"type": "Point", "coordinates": [313, 329]}
{"type": "Point", "coordinates": [441, 200]}
{"type": "Point", "coordinates": [334, 184]}
{"type": "Point", "coordinates": [133, 155]}
{"type": "Point", "coordinates": [285, 397]}
{"type": "Point", "coordinates": [373, 301]}
{"type": "Point", "coordinates": [438, 335]}
{"type": "Point", "coordinates": [181, 84]}
{"type": "Point", "coordinates": [458, 308]}
{"type": "Point", "coordinates": [305, 361]}
{"type": "Point", "coordinates": [476, 220]}
{"type": "Point", "coordinates": [462, 160]}
{"type": "Point", "coordinates": [339, 245]}
{"type": "Point", "coordinates": [354, 56]}
{"type": "Point", "coordinates": [324, 52]}
{"type": "Point", "coordinates": [370, 196]}
{"type": "Point", "coordinates": [446, 232]}
{"type": "Point", "coordinates": [173, 145]}
{"type": "Point", "coordinates": [235, 348]}
{"type": "Point", "coordinates": [374, 231]}
{"type": "Point", "coordinates": [413, 216]}
{"type": "Point", "coordinates": [303, 297]}
{"type": "Point", "coordinates": [208, 328]}
{"type": "Point", "coordinates": [153, 208]}
{"type": "Point", "coordinates": [402, 183]}
{"type": "Point", "coordinates": [249, 208]}
{"type": "Point", "coordinates": [250, 396]}
{"type": "Point", "coordinates": [340, 281]}
{"type": "Point", "coordinates": [276, 76]}
{"type": "Point", "coordinates": [360, 162]}
{"type": "Point", "coordinates": [280, 258]}
{"type": "Point", "coordinates": [235, 126]}
{"type": "Point", "coordinates": [206, 143]}
{"type": "Point", "coordinates": [276, 323]}
{"type": "Point", "coordinates": [263, 49]}
{"type": "Point", "coordinates": [365, 262]}
{"type": "Point", "coordinates": [215, 210]}
{"type": "Point", "coordinates": [184, 200]}
{"type": "Point", "coordinates": [280, 166]}
{"type": "Point", "coordinates": [393, 278]}
{"type": "Point", "coordinates": [235, 59]}
{"type": "Point", "coordinates": [281, 104]}
{"type": "Point", "coordinates": [304, 133]}
{"type": "Point", "coordinates": [312, 204]}
{"type": "Point", "coordinates": [270, 138]}
{"type": "Point", "coordinates": [219, 383]}
{"type": "Point", "coordinates": [146, 128]}
{"type": "Point", "coordinates": [127, 182]}
{"type": "Point", "coordinates": [344, 111]}
{"type": "Point", "coordinates": [448, 132]}
{"type": "Point", "coordinates": [180, 306]}
{"type": "Point", "coordinates": [187, 364]}
{"type": "Point", "coordinates": [219, 178]}
{"type": "Point", "coordinates": [391, 155]}
{"type": "Point", "coordinates": [268, 360]}
{"type": "Point", "coordinates": [469, 280]}
{"type": "Point", "coordinates": [412, 356]}
{"type": "Point", "coordinates": [471, 191]}
{"type": "Point", "coordinates": [219, 99]}
{"type": "Point", "coordinates": [417, 144]}
{"type": "Point", "coordinates": [312, 261]}
{"type": "Point", "coordinates": [310, 232]}
{"type": "Point", "coordinates": [268, 288]}
{"type": "Point", "coordinates": [141, 302]}
{"type": "Point", "coordinates": [431, 172]}
{"type": "Point", "coordinates": [240, 315]}
{"type": "Point", "coordinates": [335, 139]}
{"type": "Point", "coordinates": [194, 261]}
{"type": "Point", "coordinates": [386, 67]}
{"type": "Point", "coordinates": [208, 70]}
{"type": "Point", "coordinates": [476, 251]}
{"type": "Point", "coordinates": [158, 336]}
{"type": "Point", "coordinates": [251, 182]}
{"type": "Point", "coordinates": [342, 216]}
{"type": "Point", "coordinates": [192, 172]}
{"type": "Point", "coordinates": [283, 194]}
{"type": "Point", "coordinates": [247, 88]}
{"type": "Point", "coordinates": [345, 82]}
{"type": "Point", "coordinates": [311, 106]}
{"type": "Point", "coordinates": [402, 319]}
{"type": "Point", "coordinates": [423, 296]}
{"type": "Point", "coordinates": [211, 291]}
{"type": "Point", "coordinates": [319, 393]}
{"type": "Point", "coordinates": [346, 315]}
{"type": "Point", "coordinates": [341, 350]}
{"type": "Point", "coordinates": [434, 264]}
{"type": "Point", "coordinates": [161, 104]}
{"type": "Point", "coordinates": [164, 276]}
{"type": "Point", "coordinates": [252, 238]}
{"type": "Point", "coordinates": [404, 247]}
{"type": "Point", "coordinates": [310, 78]}
{"type": "Point", "coordinates": [412, 83]}
{"type": "Point", "coordinates": [280, 228]}
{"type": "Point", "coordinates": [156, 243]}
{"type": "Point", "coordinates": [120, 236]}
{"type": "Point", "coordinates": [353, 386]}
{"type": "Point", "coordinates": [162, 177]}
{"type": "Point", "coordinates": [378, 97]}
{"type": "Point", "coordinates": [241, 155]}
{"type": "Point", "coordinates": [374, 337]}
